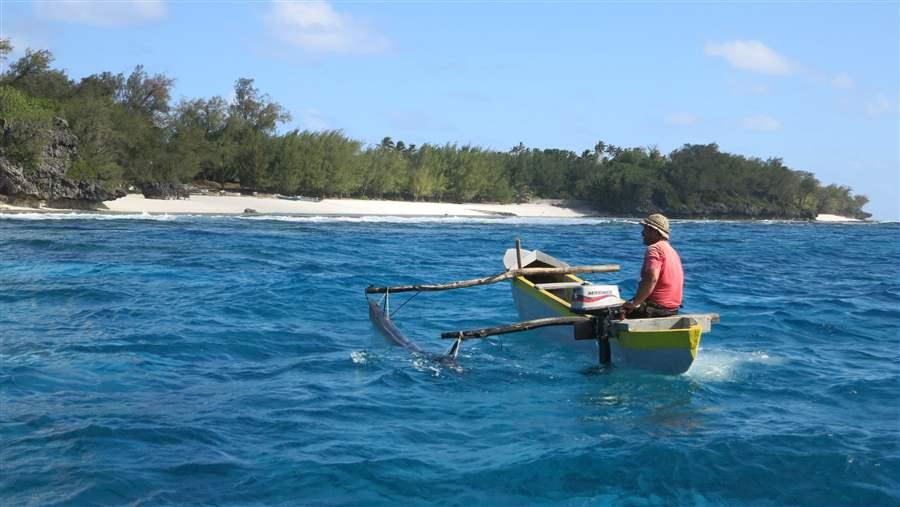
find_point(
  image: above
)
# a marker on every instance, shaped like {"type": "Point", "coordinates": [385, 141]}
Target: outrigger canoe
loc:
{"type": "Point", "coordinates": [568, 311]}
{"type": "Point", "coordinates": [666, 344]}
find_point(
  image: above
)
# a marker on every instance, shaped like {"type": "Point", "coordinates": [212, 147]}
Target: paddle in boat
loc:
{"type": "Point", "coordinates": [567, 310]}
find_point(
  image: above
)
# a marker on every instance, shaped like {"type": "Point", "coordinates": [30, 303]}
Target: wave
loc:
{"type": "Point", "coordinates": [451, 219]}
{"type": "Point", "coordinates": [375, 219]}
{"type": "Point", "coordinates": [398, 219]}
{"type": "Point", "coordinates": [165, 217]}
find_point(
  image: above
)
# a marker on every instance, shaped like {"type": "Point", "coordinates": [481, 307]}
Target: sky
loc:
{"type": "Point", "coordinates": [813, 83]}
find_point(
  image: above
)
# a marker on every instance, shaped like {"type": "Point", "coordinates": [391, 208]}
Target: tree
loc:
{"type": "Point", "coordinates": [33, 76]}
{"type": "Point", "coordinates": [806, 193]}
{"type": "Point", "coordinates": [194, 129]}
{"type": "Point", "coordinates": [24, 127]}
{"type": "Point", "coordinates": [256, 110]}
{"type": "Point", "coordinates": [384, 171]}
{"type": "Point", "coordinates": [340, 162]}
{"type": "Point", "coordinates": [426, 174]}
{"type": "Point", "coordinates": [146, 94]}
{"type": "Point", "coordinates": [469, 172]}
{"type": "Point", "coordinates": [33, 63]}
{"type": "Point", "coordinates": [95, 121]}
{"type": "Point", "coordinates": [285, 166]}
{"type": "Point", "coordinates": [207, 122]}
{"type": "Point", "coordinates": [252, 119]}
{"type": "Point", "coordinates": [5, 49]}
{"type": "Point", "coordinates": [105, 85]}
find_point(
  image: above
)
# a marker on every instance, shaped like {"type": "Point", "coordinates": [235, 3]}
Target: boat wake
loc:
{"type": "Point", "coordinates": [725, 366]}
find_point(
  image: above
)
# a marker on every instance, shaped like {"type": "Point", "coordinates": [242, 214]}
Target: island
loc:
{"type": "Point", "coordinates": [86, 144]}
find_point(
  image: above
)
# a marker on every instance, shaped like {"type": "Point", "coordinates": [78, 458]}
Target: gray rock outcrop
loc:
{"type": "Point", "coordinates": [158, 190]}
{"type": "Point", "coordinates": [46, 183]}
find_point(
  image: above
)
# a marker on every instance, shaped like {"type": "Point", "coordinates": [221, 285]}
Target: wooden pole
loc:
{"type": "Point", "coordinates": [506, 275]}
{"type": "Point", "coordinates": [519, 252]}
{"type": "Point", "coordinates": [518, 327]}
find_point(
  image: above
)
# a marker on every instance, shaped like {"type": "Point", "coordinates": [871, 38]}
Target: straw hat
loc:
{"type": "Point", "coordinates": [658, 222]}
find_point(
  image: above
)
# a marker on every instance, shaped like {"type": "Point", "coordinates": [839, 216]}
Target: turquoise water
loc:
{"type": "Point", "coordinates": [230, 361]}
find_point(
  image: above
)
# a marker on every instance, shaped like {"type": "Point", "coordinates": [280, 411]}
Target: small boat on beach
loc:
{"type": "Point", "coordinates": [297, 198]}
{"type": "Point", "coordinates": [566, 310]}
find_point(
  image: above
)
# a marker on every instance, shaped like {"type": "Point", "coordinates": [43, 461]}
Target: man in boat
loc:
{"type": "Point", "coordinates": [661, 288]}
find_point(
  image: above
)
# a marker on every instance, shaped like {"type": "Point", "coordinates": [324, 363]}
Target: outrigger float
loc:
{"type": "Point", "coordinates": [566, 310]}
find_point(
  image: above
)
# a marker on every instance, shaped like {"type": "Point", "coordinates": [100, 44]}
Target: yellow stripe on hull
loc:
{"type": "Point", "coordinates": [668, 350]}
{"type": "Point", "coordinates": [666, 339]}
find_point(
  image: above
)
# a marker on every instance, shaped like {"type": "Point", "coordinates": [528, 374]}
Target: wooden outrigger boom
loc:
{"type": "Point", "coordinates": [549, 295]}
{"type": "Point", "coordinates": [577, 321]}
{"type": "Point", "coordinates": [585, 326]}
{"type": "Point", "coordinates": [506, 275]}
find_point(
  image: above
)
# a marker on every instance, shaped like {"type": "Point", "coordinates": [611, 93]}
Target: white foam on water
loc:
{"type": "Point", "coordinates": [359, 357]}
{"type": "Point", "coordinates": [723, 366]}
{"type": "Point", "coordinates": [449, 219]}
{"type": "Point", "coordinates": [424, 364]}
{"type": "Point", "coordinates": [89, 216]}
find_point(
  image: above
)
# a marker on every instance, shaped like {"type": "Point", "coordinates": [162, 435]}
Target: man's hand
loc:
{"type": "Point", "coordinates": [629, 305]}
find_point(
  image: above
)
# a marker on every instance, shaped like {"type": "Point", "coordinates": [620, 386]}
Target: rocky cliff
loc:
{"type": "Point", "coordinates": [46, 184]}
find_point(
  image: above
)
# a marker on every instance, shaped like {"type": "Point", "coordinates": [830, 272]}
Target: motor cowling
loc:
{"type": "Point", "coordinates": [594, 297]}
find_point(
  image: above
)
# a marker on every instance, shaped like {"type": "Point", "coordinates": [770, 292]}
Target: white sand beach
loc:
{"type": "Point", "coordinates": [206, 204]}
{"type": "Point", "coordinates": [234, 205]}
{"type": "Point", "coordinates": [222, 205]}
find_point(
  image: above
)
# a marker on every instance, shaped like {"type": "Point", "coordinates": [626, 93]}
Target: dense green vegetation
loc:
{"type": "Point", "coordinates": [129, 133]}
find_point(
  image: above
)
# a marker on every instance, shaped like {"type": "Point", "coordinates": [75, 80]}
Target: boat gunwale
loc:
{"type": "Point", "coordinates": [545, 294]}
{"type": "Point", "coordinates": [625, 338]}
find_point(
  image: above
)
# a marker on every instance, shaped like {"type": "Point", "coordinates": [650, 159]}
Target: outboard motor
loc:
{"type": "Point", "coordinates": [587, 297]}
{"type": "Point", "coordinates": [603, 302]}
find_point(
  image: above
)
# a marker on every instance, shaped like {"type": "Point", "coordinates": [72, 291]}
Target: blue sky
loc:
{"type": "Point", "coordinates": [815, 83]}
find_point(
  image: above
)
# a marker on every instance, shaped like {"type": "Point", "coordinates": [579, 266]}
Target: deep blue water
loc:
{"type": "Point", "coordinates": [230, 361]}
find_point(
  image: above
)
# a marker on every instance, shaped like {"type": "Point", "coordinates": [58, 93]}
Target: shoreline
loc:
{"type": "Point", "coordinates": [269, 205]}
{"type": "Point", "coordinates": [266, 205]}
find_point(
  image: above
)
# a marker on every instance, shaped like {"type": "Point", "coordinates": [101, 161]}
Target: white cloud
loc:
{"type": "Point", "coordinates": [878, 105]}
{"type": "Point", "coordinates": [680, 119]}
{"type": "Point", "coordinates": [842, 81]}
{"type": "Point", "coordinates": [316, 26]}
{"type": "Point", "coordinates": [761, 123]}
{"type": "Point", "coordinates": [98, 13]}
{"type": "Point", "coordinates": [751, 55]}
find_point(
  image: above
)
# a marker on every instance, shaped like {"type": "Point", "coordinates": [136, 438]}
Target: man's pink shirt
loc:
{"type": "Point", "coordinates": [669, 289]}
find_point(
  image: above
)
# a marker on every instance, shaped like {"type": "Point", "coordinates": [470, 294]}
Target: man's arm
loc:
{"type": "Point", "coordinates": [645, 288]}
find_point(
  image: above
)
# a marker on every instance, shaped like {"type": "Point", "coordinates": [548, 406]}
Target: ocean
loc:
{"type": "Point", "coordinates": [193, 360]}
